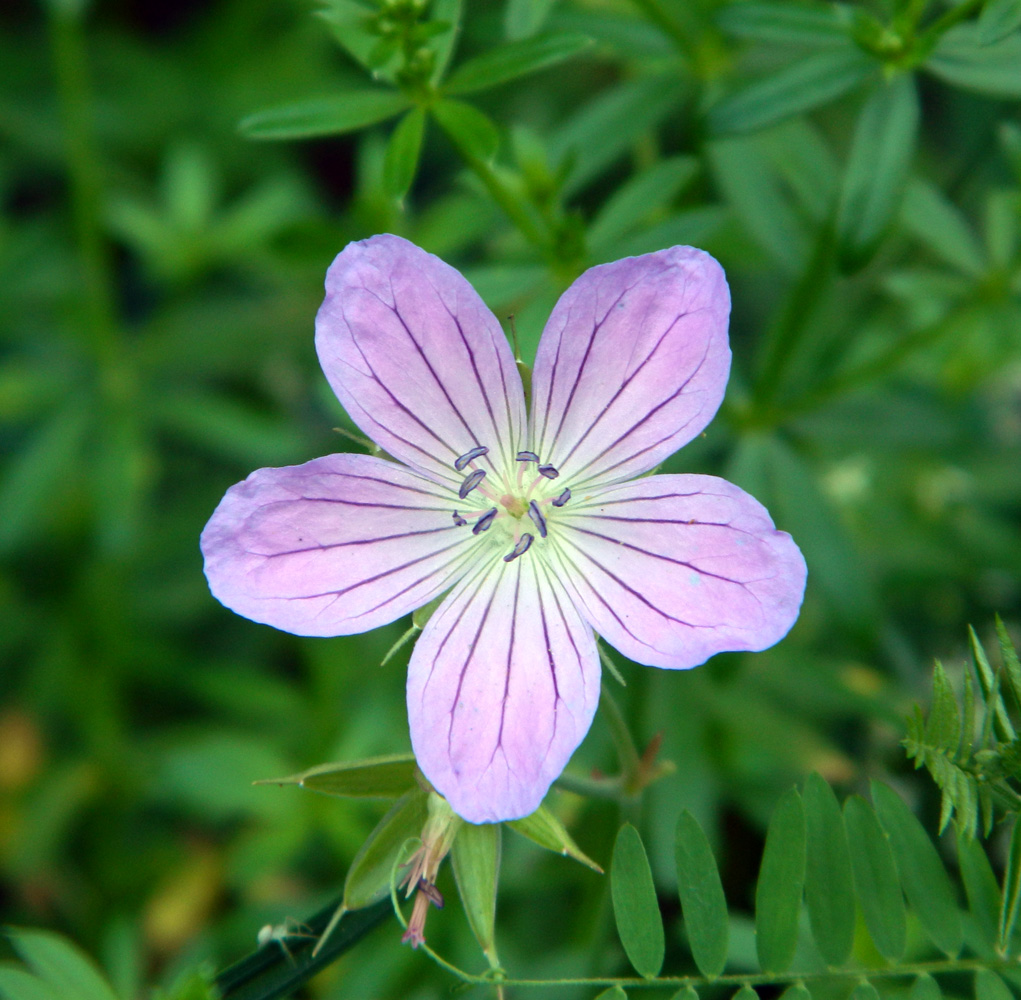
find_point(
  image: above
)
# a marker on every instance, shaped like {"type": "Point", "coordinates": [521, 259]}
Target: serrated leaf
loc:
{"type": "Point", "coordinates": [475, 857]}
{"type": "Point", "coordinates": [997, 20]}
{"type": "Point", "coordinates": [786, 23]}
{"type": "Point", "coordinates": [1011, 889]}
{"type": "Point", "coordinates": [801, 86]}
{"type": "Point", "coordinates": [402, 152]}
{"type": "Point", "coordinates": [779, 889]}
{"type": "Point", "coordinates": [507, 62]}
{"type": "Point", "coordinates": [875, 879]}
{"type": "Point", "coordinates": [368, 878]}
{"type": "Point", "coordinates": [943, 727]}
{"type": "Point", "coordinates": [61, 965]}
{"type": "Point", "coordinates": [990, 683]}
{"type": "Point", "coordinates": [1011, 662]}
{"type": "Point", "coordinates": [635, 908]}
{"type": "Point", "coordinates": [372, 778]}
{"type": "Point", "coordinates": [984, 900]}
{"type": "Point", "coordinates": [925, 988]}
{"type": "Point", "coordinates": [331, 115]}
{"type": "Point", "coordinates": [926, 883]}
{"type": "Point", "coordinates": [829, 885]}
{"type": "Point", "coordinates": [877, 168]}
{"type": "Point", "coordinates": [703, 903]}
{"type": "Point", "coordinates": [989, 986]}
{"type": "Point", "coordinates": [468, 128]}
{"type": "Point", "coordinates": [544, 829]}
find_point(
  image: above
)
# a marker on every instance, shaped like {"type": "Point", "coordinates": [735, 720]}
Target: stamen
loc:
{"type": "Point", "coordinates": [470, 456]}
{"type": "Point", "coordinates": [458, 520]}
{"type": "Point", "coordinates": [548, 471]}
{"type": "Point", "coordinates": [520, 549]}
{"type": "Point", "coordinates": [562, 499]}
{"type": "Point", "coordinates": [431, 892]}
{"type": "Point", "coordinates": [527, 456]}
{"type": "Point", "coordinates": [536, 515]}
{"type": "Point", "coordinates": [471, 482]}
{"type": "Point", "coordinates": [483, 523]}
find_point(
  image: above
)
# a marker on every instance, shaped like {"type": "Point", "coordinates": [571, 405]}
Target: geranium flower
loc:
{"type": "Point", "coordinates": [536, 528]}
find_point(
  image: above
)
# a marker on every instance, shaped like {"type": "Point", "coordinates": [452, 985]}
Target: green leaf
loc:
{"type": "Point", "coordinates": [864, 991]}
{"type": "Point", "coordinates": [612, 993]}
{"type": "Point", "coordinates": [507, 62]}
{"type": "Point", "coordinates": [468, 128]}
{"type": "Point", "coordinates": [446, 12]}
{"type": "Point", "coordinates": [779, 889]}
{"type": "Point", "coordinates": [476, 860]}
{"type": "Point", "coordinates": [19, 984]}
{"type": "Point", "coordinates": [796, 991]}
{"type": "Point", "coordinates": [939, 225]}
{"type": "Point", "coordinates": [998, 19]}
{"type": "Point", "coordinates": [1011, 889]}
{"type": "Point", "coordinates": [61, 965]}
{"type": "Point", "coordinates": [989, 986]}
{"type": "Point", "coordinates": [636, 200]}
{"type": "Point", "coordinates": [799, 87]}
{"type": "Point", "coordinates": [786, 23]}
{"type": "Point", "coordinates": [745, 993]}
{"type": "Point", "coordinates": [925, 988]}
{"type": "Point", "coordinates": [368, 878]}
{"type": "Point", "coordinates": [875, 879]}
{"type": "Point", "coordinates": [961, 59]}
{"type": "Point", "coordinates": [980, 884]}
{"type": "Point", "coordinates": [829, 886]}
{"type": "Point", "coordinates": [877, 168]}
{"type": "Point", "coordinates": [990, 681]}
{"type": "Point", "coordinates": [943, 727]}
{"type": "Point", "coordinates": [402, 152]}
{"type": "Point", "coordinates": [317, 116]}
{"type": "Point", "coordinates": [371, 778]}
{"type": "Point", "coordinates": [702, 900]}
{"type": "Point", "coordinates": [635, 908]}
{"type": "Point", "coordinates": [686, 993]}
{"type": "Point", "coordinates": [525, 17]}
{"type": "Point", "coordinates": [926, 884]}
{"type": "Point", "coordinates": [544, 829]}
{"type": "Point", "coordinates": [1011, 662]}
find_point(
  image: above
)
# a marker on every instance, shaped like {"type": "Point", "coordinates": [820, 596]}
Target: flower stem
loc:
{"type": "Point", "coordinates": [627, 752]}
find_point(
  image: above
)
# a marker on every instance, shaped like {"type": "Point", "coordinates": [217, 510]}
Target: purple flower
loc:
{"type": "Point", "coordinates": [535, 527]}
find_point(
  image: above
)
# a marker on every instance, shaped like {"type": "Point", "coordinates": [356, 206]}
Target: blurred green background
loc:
{"type": "Point", "coordinates": [856, 170]}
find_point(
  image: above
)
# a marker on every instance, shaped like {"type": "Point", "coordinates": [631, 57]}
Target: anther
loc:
{"type": "Point", "coordinates": [562, 499]}
{"type": "Point", "coordinates": [536, 515]}
{"type": "Point", "coordinates": [520, 549]}
{"type": "Point", "coordinates": [483, 523]}
{"type": "Point", "coordinates": [470, 456]}
{"type": "Point", "coordinates": [548, 471]}
{"type": "Point", "coordinates": [458, 520]}
{"type": "Point", "coordinates": [527, 456]}
{"type": "Point", "coordinates": [471, 482]}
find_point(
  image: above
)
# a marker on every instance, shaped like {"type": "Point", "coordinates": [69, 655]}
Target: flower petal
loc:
{"type": "Point", "coordinates": [338, 545]}
{"type": "Point", "coordinates": [502, 687]}
{"type": "Point", "coordinates": [672, 569]}
{"type": "Point", "coordinates": [416, 358]}
{"type": "Point", "coordinates": [632, 365]}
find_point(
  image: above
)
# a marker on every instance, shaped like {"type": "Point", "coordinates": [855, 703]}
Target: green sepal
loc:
{"type": "Point", "coordinates": [421, 615]}
{"type": "Point", "coordinates": [475, 857]}
{"type": "Point", "coordinates": [544, 829]}
{"type": "Point", "coordinates": [371, 778]}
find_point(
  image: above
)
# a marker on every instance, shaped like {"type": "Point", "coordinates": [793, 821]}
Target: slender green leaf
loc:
{"type": "Point", "coordinates": [507, 62]}
{"type": "Point", "coordinates": [61, 965]}
{"type": "Point", "coordinates": [989, 986]}
{"type": "Point", "coordinates": [961, 59]}
{"type": "Point", "coordinates": [877, 169]}
{"type": "Point", "coordinates": [544, 829]}
{"type": "Point", "coordinates": [20, 984]}
{"type": "Point", "coordinates": [635, 908]}
{"type": "Point", "coordinates": [925, 988]}
{"type": "Point", "coordinates": [349, 23]}
{"type": "Point", "coordinates": [943, 727]}
{"type": "Point", "coordinates": [786, 23]}
{"type": "Point", "coordinates": [875, 879]}
{"type": "Point", "coordinates": [475, 857]}
{"type": "Point", "coordinates": [939, 225]}
{"type": "Point", "coordinates": [998, 19]}
{"type": "Point", "coordinates": [990, 681]}
{"type": "Point", "coordinates": [371, 778]}
{"type": "Point", "coordinates": [402, 152]}
{"type": "Point", "coordinates": [447, 12]}
{"type": "Point", "coordinates": [779, 889]}
{"type": "Point", "coordinates": [796, 88]}
{"type": "Point", "coordinates": [702, 900]}
{"type": "Point", "coordinates": [926, 883]}
{"type": "Point", "coordinates": [525, 17]}
{"type": "Point", "coordinates": [1011, 662]}
{"type": "Point", "coordinates": [1011, 888]}
{"type": "Point", "coordinates": [332, 115]}
{"type": "Point", "coordinates": [980, 884]}
{"type": "Point", "coordinates": [829, 886]}
{"type": "Point", "coordinates": [468, 128]}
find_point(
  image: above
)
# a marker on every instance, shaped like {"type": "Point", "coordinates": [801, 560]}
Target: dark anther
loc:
{"type": "Point", "coordinates": [471, 482]}
{"type": "Point", "coordinates": [548, 471]}
{"type": "Point", "coordinates": [458, 520]}
{"type": "Point", "coordinates": [484, 522]}
{"type": "Point", "coordinates": [527, 456]}
{"type": "Point", "coordinates": [536, 515]}
{"type": "Point", "coordinates": [470, 456]}
{"type": "Point", "coordinates": [562, 499]}
{"type": "Point", "coordinates": [520, 549]}
{"type": "Point", "coordinates": [431, 893]}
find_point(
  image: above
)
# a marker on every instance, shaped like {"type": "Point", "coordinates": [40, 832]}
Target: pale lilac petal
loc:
{"type": "Point", "coordinates": [672, 569]}
{"type": "Point", "coordinates": [632, 364]}
{"type": "Point", "coordinates": [416, 358]}
{"type": "Point", "coordinates": [338, 545]}
{"type": "Point", "coordinates": [502, 687]}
